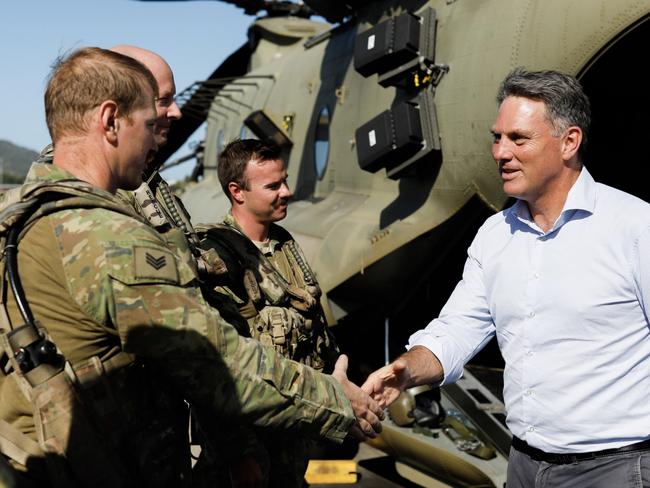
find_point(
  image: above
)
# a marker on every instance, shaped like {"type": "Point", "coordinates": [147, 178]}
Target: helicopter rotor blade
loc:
{"type": "Point", "coordinates": [272, 7]}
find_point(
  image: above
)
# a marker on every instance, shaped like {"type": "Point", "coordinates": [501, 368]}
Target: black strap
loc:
{"type": "Point", "coordinates": [30, 347]}
{"type": "Point", "coordinates": [11, 253]}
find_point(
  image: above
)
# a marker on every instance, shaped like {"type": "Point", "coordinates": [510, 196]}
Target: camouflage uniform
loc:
{"type": "Point", "coordinates": [105, 287]}
{"type": "Point", "coordinates": [278, 294]}
{"type": "Point", "coordinates": [275, 291]}
{"type": "Point", "coordinates": [155, 201]}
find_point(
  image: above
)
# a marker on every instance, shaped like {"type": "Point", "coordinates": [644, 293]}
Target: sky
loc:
{"type": "Point", "coordinates": [194, 37]}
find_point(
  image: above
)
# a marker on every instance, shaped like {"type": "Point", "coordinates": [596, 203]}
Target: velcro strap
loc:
{"type": "Point", "coordinates": [22, 336]}
{"type": "Point", "coordinates": [277, 320]}
{"type": "Point", "coordinates": [41, 373]}
{"type": "Point", "coordinates": [150, 208]}
{"type": "Point", "coordinates": [93, 370]}
{"type": "Point", "coordinates": [252, 288]}
{"type": "Point", "coordinates": [300, 299]}
{"type": "Point", "coordinates": [16, 445]}
{"type": "Point", "coordinates": [248, 310]}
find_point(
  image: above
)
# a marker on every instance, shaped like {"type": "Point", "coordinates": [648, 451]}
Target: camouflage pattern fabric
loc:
{"type": "Point", "coordinates": [46, 155]}
{"type": "Point", "coordinates": [277, 292]}
{"type": "Point", "coordinates": [102, 282]}
{"type": "Point", "coordinates": [280, 299]}
{"type": "Point", "coordinates": [155, 202]}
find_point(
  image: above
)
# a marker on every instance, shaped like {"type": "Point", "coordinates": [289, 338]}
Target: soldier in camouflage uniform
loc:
{"type": "Point", "coordinates": [133, 332]}
{"type": "Point", "coordinates": [269, 279]}
{"type": "Point", "coordinates": [242, 463]}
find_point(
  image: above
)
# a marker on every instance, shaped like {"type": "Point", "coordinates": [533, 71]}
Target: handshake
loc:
{"type": "Point", "coordinates": [368, 401]}
{"type": "Point", "coordinates": [383, 386]}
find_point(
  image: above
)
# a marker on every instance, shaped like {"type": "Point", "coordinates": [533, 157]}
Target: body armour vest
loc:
{"type": "Point", "coordinates": [275, 290]}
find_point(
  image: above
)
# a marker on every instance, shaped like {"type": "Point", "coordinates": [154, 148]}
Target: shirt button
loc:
{"type": "Point", "coordinates": [536, 275]}
{"type": "Point", "coordinates": [529, 392]}
{"type": "Point", "coordinates": [529, 353]}
{"type": "Point", "coordinates": [531, 429]}
{"type": "Point", "coordinates": [531, 314]}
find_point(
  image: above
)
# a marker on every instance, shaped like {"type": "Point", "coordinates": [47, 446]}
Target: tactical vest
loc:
{"type": "Point", "coordinates": [281, 313]}
{"type": "Point", "coordinates": [95, 422]}
{"type": "Point", "coordinates": [155, 202]}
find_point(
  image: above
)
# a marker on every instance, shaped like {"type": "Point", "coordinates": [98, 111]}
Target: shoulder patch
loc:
{"type": "Point", "coordinates": [154, 263]}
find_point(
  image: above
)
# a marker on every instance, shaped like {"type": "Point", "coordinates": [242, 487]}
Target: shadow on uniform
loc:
{"type": "Point", "coordinates": [129, 428]}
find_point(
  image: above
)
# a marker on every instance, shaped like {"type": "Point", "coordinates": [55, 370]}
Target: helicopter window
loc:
{"type": "Point", "coordinates": [221, 139]}
{"type": "Point", "coordinates": [322, 142]}
{"type": "Point", "coordinates": [246, 133]}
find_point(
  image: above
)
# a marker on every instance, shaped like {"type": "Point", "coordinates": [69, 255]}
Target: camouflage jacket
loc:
{"type": "Point", "coordinates": [164, 211]}
{"type": "Point", "coordinates": [102, 282]}
{"type": "Point", "coordinates": [159, 206]}
{"type": "Point", "coordinates": [276, 291]}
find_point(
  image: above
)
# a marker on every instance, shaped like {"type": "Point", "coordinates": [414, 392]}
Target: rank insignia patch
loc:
{"type": "Point", "coordinates": [154, 263]}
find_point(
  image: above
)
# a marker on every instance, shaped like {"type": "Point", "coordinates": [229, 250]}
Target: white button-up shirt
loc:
{"type": "Point", "coordinates": [569, 309]}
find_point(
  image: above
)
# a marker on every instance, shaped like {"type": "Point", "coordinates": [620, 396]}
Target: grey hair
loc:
{"type": "Point", "coordinates": [565, 101]}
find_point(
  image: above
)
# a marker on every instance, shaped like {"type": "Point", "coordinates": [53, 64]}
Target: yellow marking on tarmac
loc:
{"type": "Point", "coordinates": [331, 472]}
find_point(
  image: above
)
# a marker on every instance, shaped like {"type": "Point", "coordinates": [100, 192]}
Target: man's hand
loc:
{"type": "Point", "coordinates": [367, 411]}
{"type": "Point", "coordinates": [385, 384]}
{"type": "Point", "coordinates": [417, 367]}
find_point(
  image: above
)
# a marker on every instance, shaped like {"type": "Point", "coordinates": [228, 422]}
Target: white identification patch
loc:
{"type": "Point", "coordinates": [371, 42]}
{"type": "Point", "coordinates": [372, 138]}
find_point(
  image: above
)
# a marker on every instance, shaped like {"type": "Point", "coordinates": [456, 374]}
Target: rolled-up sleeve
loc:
{"type": "Point", "coordinates": [464, 325]}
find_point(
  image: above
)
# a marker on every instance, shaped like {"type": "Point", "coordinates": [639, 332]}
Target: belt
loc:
{"type": "Point", "coordinates": [553, 458]}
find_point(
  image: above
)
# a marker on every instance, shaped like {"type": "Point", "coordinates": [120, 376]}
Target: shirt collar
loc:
{"type": "Point", "coordinates": [581, 198]}
{"type": "Point", "coordinates": [267, 247]}
{"type": "Point", "coordinates": [582, 195]}
{"type": "Point", "coordinates": [39, 172]}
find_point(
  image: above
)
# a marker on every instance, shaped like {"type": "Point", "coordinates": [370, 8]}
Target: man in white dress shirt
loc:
{"type": "Point", "coordinates": [563, 279]}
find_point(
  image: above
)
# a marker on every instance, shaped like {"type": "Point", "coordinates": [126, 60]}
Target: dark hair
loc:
{"type": "Point", "coordinates": [85, 79]}
{"type": "Point", "coordinates": [237, 154]}
{"type": "Point", "coordinates": [565, 101]}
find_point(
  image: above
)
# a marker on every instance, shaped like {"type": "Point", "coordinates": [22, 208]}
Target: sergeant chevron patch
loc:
{"type": "Point", "coordinates": [154, 263]}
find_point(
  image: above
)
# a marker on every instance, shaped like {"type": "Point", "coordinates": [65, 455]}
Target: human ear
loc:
{"type": "Point", "coordinates": [109, 120]}
{"type": "Point", "coordinates": [571, 142]}
{"type": "Point", "coordinates": [236, 192]}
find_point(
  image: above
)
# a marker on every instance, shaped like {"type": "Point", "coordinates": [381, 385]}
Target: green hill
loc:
{"type": "Point", "coordinates": [14, 162]}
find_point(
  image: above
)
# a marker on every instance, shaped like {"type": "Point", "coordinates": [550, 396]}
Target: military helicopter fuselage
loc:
{"type": "Point", "coordinates": [384, 118]}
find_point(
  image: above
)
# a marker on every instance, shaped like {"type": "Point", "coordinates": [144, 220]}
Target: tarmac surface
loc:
{"type": "Point", "coordinates": [375, 470]}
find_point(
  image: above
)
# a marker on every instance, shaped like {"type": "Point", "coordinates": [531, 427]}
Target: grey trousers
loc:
{"type": "Point", "coordinates": [625, 470]}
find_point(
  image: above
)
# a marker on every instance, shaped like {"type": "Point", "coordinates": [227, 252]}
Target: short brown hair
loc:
{"type": "Point", "coordinates": [236, 155]}
{"type": "Point", "coordinates": [85, 79]}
